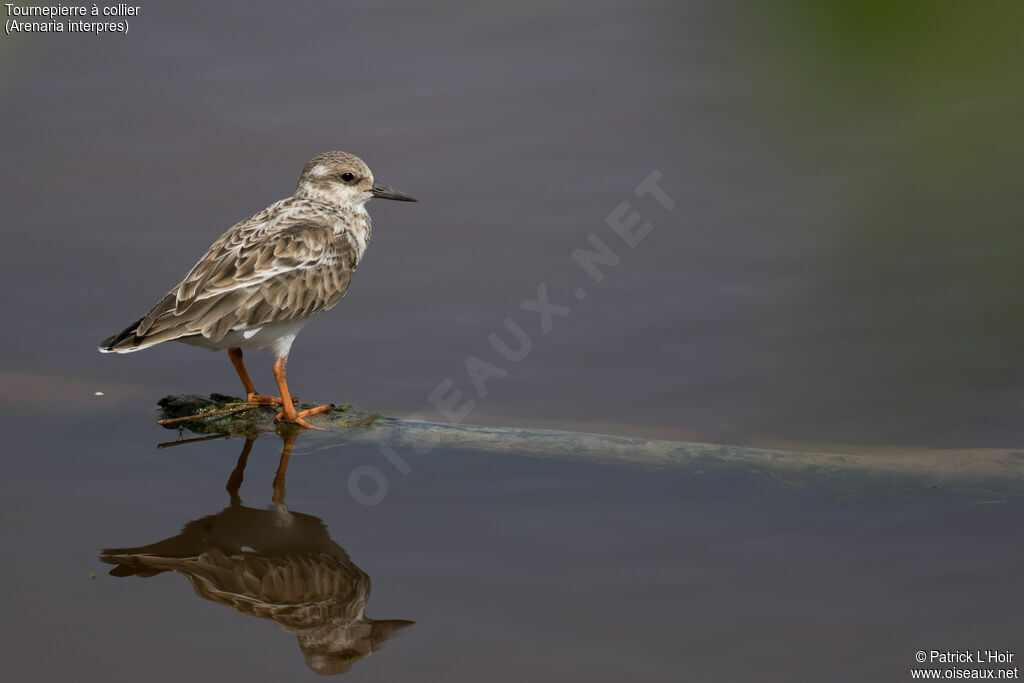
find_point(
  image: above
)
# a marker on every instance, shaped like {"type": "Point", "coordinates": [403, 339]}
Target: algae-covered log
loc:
{"type": "Point", "coordinates": [229, 416]}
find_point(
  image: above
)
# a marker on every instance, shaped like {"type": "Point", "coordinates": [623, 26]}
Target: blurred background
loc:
{"type": "Point", "coordinates": [841, 263]}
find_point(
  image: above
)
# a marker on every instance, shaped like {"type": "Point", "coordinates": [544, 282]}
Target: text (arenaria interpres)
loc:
{"type": "Point", "coordinates": [55, 21]}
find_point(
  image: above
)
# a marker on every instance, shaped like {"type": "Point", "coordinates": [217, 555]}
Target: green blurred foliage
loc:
{"type": "Point", "coordinates": [904, 119]}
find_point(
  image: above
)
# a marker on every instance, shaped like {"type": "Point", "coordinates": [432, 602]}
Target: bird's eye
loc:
{"type": "Point", "coordinates": [347, 178]}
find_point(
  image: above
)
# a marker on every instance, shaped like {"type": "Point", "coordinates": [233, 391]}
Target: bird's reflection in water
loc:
{"type": "Point", "coordinates": [273, 563]}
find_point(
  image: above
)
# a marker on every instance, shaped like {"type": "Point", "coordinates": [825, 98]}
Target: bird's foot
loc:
{"type": "Point", "coordinates": [296, 417]}
{"type": "Point", "coordinates": [261, 400]}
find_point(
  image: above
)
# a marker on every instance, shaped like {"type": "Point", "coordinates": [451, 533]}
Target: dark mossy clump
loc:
{"type": "Point", "coordinates": [183, 405]}
{"type": "Point", "coordinates": [232, 415]}
{"type": "Point", "coordinates": [215, 414]}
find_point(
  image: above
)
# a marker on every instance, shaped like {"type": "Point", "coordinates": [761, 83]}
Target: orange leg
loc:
{"type": "Point", "coordinates": [235, 354]}
{"type": "Point", "coordinates": [289, 414]}
{"type": "Point", "coordinates": [282, 469]}
{"type": "Point", "coordinates": [235, 480]}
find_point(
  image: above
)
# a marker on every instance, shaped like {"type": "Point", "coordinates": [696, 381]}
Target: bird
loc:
{"type": "Point", "coordinates": [263, 280]}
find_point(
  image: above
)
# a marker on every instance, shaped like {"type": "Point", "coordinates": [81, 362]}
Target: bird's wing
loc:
{"type": "Point", "coordinates": [253, 275]}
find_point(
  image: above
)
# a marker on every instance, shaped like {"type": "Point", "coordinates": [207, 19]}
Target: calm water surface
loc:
{"type": "Point", "coordinates": [840, 264]}
{"type": "Point", "coordinates": [511, 568]}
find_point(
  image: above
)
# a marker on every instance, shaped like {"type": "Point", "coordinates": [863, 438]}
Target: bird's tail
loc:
{"type": "Point", "coordinates": [124, 341]}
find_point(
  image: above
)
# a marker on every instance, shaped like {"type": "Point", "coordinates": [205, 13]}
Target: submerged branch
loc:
{"type": "Point", "coordinates": [350, 426]}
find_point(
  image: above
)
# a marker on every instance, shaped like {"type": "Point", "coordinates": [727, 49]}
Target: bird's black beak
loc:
{"type": "Point", "coordinates": [381, 191]}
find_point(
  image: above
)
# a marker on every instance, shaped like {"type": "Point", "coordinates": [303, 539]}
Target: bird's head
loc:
{"type": "Point", "coordinates": [343, 179]}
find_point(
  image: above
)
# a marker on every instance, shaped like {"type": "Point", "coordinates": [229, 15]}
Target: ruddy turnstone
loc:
{"type": "Point", "coordinates": [266, 277]}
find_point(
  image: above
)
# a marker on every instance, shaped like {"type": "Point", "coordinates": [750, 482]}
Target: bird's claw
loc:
{"type": "Point", "coordinates": [296, 418]}
{"type": "Point", "coordinates": [261, 400]}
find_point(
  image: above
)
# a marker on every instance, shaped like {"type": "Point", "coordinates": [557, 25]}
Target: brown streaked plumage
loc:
{"type": "Point", "coordinates": [260, 283]}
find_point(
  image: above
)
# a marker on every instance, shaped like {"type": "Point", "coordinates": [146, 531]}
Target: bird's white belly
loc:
{"type": "Point", "coordinates": [274, 337]}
